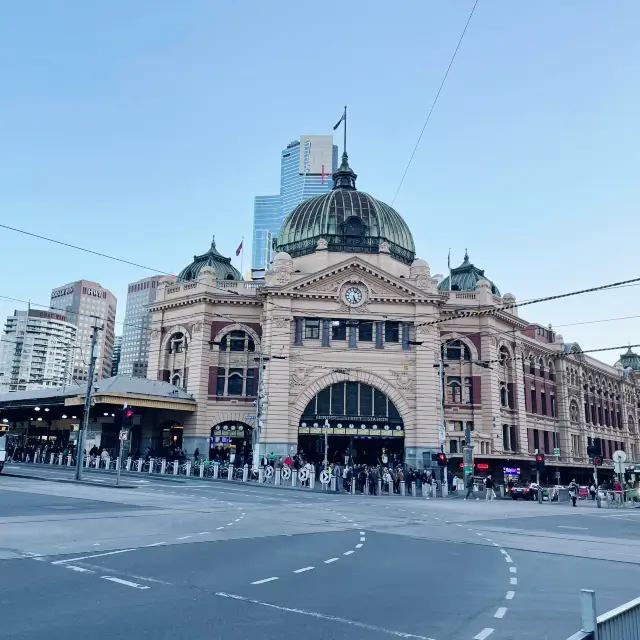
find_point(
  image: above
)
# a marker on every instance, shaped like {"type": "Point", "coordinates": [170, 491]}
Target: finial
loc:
{"type": "Point", "coordinates": [466, 255]}
{"type": "Point", "coordinates": [213, 242]}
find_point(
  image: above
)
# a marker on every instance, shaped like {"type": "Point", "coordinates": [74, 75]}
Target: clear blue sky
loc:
{"type": "Point", "coordinates": [142, 128]}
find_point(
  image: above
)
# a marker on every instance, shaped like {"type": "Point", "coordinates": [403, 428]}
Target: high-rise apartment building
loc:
{"type": "Point", "coordinates": [86, 303]}
{"type": "Point", "coordinates": [37, 351]}
{"type": "Point", "coordinates": [134, 356]}
{"type": "Point", "coordinates": [117, 349]}
{"type": "Point", "coordinates": [306, 167]}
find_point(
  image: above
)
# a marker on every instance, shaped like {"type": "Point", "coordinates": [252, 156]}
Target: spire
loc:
{"type": "Point", "coordinates": [344, 177]}
{"type": "Point", "coordinates": [466, 255]}
{"type": "Point", "coordinates": [213, 242]}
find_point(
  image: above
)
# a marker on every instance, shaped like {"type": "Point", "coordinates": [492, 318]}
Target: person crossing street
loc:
{"type": "Point", "coordinates": [489, 492]}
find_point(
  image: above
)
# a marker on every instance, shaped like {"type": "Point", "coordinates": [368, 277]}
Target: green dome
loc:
{"type": "Point", "coordinates": [465, 277]}
{"type": "Point", "coordinates": [630, 360]}
{"type": "Point", "coordinates": [347, 220]}
{"type": "Point", "coordinates": [223, 267]}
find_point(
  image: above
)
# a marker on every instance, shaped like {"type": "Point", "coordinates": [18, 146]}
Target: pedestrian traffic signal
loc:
{"type": "Point", "coordinates": [442, 459]}
{"type": "Point", "coordinates": [597, 461]}
{"type": "Point", "coordinates": [540, 461]}
{"type": "Point", "coordinates": [594, 448]}
{"type": "Point", "coordinates": [126, 417]}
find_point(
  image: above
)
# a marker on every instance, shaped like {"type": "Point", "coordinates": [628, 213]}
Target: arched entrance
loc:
{"type": "Point", "coordinates": [231, 441]}
{"type": "Point", "coordinates": [359, 422]}
{"type": "Point", "coordinates": [170, 439]}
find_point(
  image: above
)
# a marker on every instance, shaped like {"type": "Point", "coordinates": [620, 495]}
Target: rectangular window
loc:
{"type": "Point", "coordinates": [352, 399]}
{"type": "Point", "coordinates": [513, 440]}
{"type": "Point", "coordinates": [391, 331]}
{"type": "Point", "coordinates": [324, 399]}
{"type": "Point", "coordinates": [312, 329]}
{"type": "Point", "coordinates": [338, 330]}
{"type": "Point", "coordinates": [220, 382]}
{"type": "Point", "coordinates": [552, 402]}
{"type": "Point", "coordinates": [337, 399]}
{"type": "Point", "coordinates": [453, 390]}
{"type": "Point", "coordinates": [536, 440]}
{"type": "Point", "coordinates": [510, 399]}
{"type": "Point", "coordinates": [366, 400]}
{"type": "Point", "coordinates": [379, 404]}
{"type": "Point", "coordinates": [365, 331]}
{"type": "Point", "coordinates": [543, 403]}
{"type": "Point", "coordinates": [505, 437]}
{"type": "Point", "coordinates": [468, 390]}
{"type": "Point", "coordinates": [453, 446]}
{"type": "Point", "coordinates": [250, 380]}
{"type": "Point", "coordinates": [534, 402]}
{"type": "Point", "coordinates": [234, 383]}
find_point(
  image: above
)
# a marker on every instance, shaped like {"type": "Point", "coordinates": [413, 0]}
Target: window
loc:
{"type": "Point", "coordinates": [503, 395]}
{"type": "Point", "coordinates": [176, 381]}
{"type": "Point", "coordinates": [510, 399]}
{"type": "Point", "coordinates": [514, 438]}
{"type": "Point", "coordinates": [177, 343]}
{"type": "Point", "coordinates": [543, 403]}
{"type": "Point", "coordinates": [468, 390]}
{"type": "Point", "coordinates": [505, 437]}
{"type": "Point", "coordinates": [534, 402]}
{"type": "Point", "coordinates": [453, 446]}
{"type": "Point", "coordinates": [339, 330]}
{"type": "Point", "coordinates": [456, 350]}
{"type": "Point", "coordinates": [573, 411]}
{"type": "Point", "coordinates": [536, 440]}
{"type": "Point", "coordinates": [312, 329]}
{"type": "Point", "coordinates": [532, 367]}
{"type": "Point", "coordinates": [353, 226]}
{"type": "Point", "coordinates": [365, 331]}
{"type": "Point", "coordinates": [236, 365]}
{"type": "Point", "coordinates": [454, 390]}
{"type": "Point", "coordinates": [234, 383]}
{"type": "Point", "coordinates": [541, 369]}
{"type": "Point", "coordinates": [391, 331]}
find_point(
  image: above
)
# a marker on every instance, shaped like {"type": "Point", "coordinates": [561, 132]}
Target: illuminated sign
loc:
{"type": "Point", "coordinates": [62, 292]}
{"type": "Point", "coordinates": [482, 465]}
{"type": "Point", "coordinates": [511, 471]}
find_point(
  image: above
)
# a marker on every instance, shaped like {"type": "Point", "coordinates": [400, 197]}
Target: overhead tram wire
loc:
{"type": "Point", "coordinates": [444, 79]}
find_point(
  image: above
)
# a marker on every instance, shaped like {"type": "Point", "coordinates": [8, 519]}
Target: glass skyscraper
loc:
{"type": "Point", "coordinates": [306, 166]}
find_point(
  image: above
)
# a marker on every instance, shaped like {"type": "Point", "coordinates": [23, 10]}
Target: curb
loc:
{"type": "Point", "coordinates": [82, 482]}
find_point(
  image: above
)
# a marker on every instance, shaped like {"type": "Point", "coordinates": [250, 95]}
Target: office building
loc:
{"type": "Point", "coordinates": [134, 355]}
{"type": "Point", "coordinates": [86, 303]}
{"type": "Point", "coordinates": [306, 167]}
{"type": "Point", "coordinates": [37, 351]}
{"type": "Point", "coordinates": [117, 348]}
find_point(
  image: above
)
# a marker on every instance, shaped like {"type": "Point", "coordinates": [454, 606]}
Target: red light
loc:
{"type": "Point", "coordinates": [538, 457]}
{"type": "Point", "coordinates": [128, 413]}
{"type": "Point", "coordinates": [482, 465]}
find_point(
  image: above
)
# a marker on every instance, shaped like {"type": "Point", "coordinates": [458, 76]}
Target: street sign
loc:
{"type": "Point", "coordinates": [442, 433]}
{"type": "Point", "coordinates": [619, 456]}
{"type": "Point", "coordinates": [619, 467]}
{"type": "Point", "coordinates": [124, 435]}
{"type": "Point", "coordinates": [250, 417]}
{"type": "Point", "coordinates": [556, 451]}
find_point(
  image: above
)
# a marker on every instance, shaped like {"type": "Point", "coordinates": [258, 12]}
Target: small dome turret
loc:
{"type": "Point", "coordinates": [465, 278]}
{"type": "Point", "coordinates": [222, 266]}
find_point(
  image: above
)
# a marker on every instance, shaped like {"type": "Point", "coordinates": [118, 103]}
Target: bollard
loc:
{"type": "Point", "coordinates": [353, 486]}
{"type": "Point", "coordinates": [139, 462]}
{"type": "Point", "coordinates": [413, 490]}
{"type": "Point", "coordinates": [51, 458]}
{"type": "Point", "coordinates": [87, 462]}
{"type": "Point", "coordinates": [60, 459]}
{"type": "Point", "coordinates": [151, 463]}
{"type": "Point", "coordinates": [97, 462]}
{"type": "Point", "coordinates": [245, 473]}
{"type": "Point", "coordinates": [312, 479]}
{"type": "Point", "coordinates": [366, 487]}
{"type": "Point", "coordinates": [379, 486]}
{"type": "Point", "coordinates": [261, 475]}
{"type": "Point", "coordinates": [163, 467]}
{"type": "Point", "coordinates": [332, 484]}
{"type": "Point", "coordinates": [230, 472]}
{"type": "Point", "coordinates": [175, 467]}
{"type": "Point", "coordinates": [278, 477]}
{"type": "Point", "coordinates": [294, 478]}
{"type": "Point", "coordinates": [216, 470]}
{"type": "Point", "coordinates": [202, 469]}
{"type": "Point", "coordinates": [117, 464]}
{"type": "Point", "coordinates": [402, 488]}
{"type": "Point", "coordinates": [188, 470]}
{"type": "Point", "coordinates": [129, 464]}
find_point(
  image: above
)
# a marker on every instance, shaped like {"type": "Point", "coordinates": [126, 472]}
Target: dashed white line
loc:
{"type": "Point", "coordinates": [514, 580]}
{"type": "Point", "coordinates": [495, 544]}
{"type": "Point", "coordinates": [78, 569]}
{"type": "Point", "coordinates": [485, 633]}
{"type": "Point", "coordinates": [229, 524]}
{"type": "Point", "coordinates": [156, 544]}
{"type": "Point", "coordinates": [348, 553]}
{"type": "Point", "coordinates": [513, 569]}
{"type": "Point", "coordinates": [135, 585]}
{"type": "Point", "coordinates": [303, 569]}
{"type": "Point", "coordinates": [363, 539]}
{"type": "Point", "coordinates": [184, 537]}
{"type": "Point", "coordinates": [218, 528]}
{"type": "Point", "coordinates": [500, 612]}
{"type": "Point", "coordinates": [510, 595]}
{"type": "Point", "coordinates": [203, 533]}
{"type": "Point", "coordinates": [265, 580]}
{"type": "Point", "coordinates": [330, 560]}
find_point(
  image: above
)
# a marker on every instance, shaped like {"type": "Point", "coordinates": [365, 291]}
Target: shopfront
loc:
{"type": "Point", "coordinates": [231, 442]}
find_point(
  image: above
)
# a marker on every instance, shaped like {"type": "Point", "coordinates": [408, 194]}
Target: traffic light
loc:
{"type": "Point", "coordinates": [441, 459]}
{"type": "Point", "coordinates": [127, 418]}
{"type": "Point", "coordinates": [539, 461]}
{"type": "Point", "coordinates": [594, 448]}
{"type": "Point", "coordinates": [597, 461]}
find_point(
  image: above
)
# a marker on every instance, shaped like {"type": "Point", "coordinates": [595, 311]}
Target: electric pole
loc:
{"type": "Point", "coordinates": [87, 400]}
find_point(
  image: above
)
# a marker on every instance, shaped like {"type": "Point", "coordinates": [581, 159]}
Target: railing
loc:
{"type": "Point", "coordinates": [617, 624]}
{"type": "Point", "coordinates": [234, 285]}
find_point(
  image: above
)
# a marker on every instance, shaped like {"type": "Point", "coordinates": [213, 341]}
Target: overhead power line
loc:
{"type": "Point", "coordinates": [444, 79]}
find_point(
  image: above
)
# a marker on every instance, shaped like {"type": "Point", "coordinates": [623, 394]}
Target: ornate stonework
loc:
{"type": "Point", "coordinates": [323, 245]}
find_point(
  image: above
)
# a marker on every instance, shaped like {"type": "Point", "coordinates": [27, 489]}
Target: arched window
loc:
{"type": "Point", "coordinates": [503, 395]}
{"type": "Point", "coordinates": [503, 355]}
{"type": "Point", "coordinates": [237, 373]}
{"type": "Point", "coordinates": [574, 414]}
{"type": "Point", "coordinates": [176, 380]}
{"type": "Point", "coordinates": [177, 343]}
{"type": "Point", "coordinates": [541, 367]}
{"type": "Point", "coordinates": [354, 227]}
{"type": "Point", "coordinates": [454, 390]}
{"type": "Point", "coordinates": [455, 350]}
{"type": "Point", "coordinates": [632, 425]}
{"type": "Point", "coordinates": [532, 366]}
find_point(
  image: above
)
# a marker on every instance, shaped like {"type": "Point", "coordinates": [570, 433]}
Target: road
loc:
{"type": "Point", "coordinates": [196, 559]}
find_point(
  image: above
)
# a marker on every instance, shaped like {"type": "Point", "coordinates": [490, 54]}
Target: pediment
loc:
{"type": "Point", "coordinates": [331, 282]}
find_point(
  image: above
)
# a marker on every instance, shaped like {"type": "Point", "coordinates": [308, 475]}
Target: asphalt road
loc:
{"type": "Point", "coordinates": [196, 559]}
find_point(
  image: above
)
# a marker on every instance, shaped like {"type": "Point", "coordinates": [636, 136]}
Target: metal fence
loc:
{"type": "Point", "coordinates": [622, 623]}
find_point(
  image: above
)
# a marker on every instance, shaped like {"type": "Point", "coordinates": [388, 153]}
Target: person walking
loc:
{"type": "Point", "coordinates": [489, 493]}
{"type": "Point", "coordinates": [573, 492]}
{"type": "Point", "coordinates": [469, 484]}
{"type": "Point", "coordinates": [592, 491]}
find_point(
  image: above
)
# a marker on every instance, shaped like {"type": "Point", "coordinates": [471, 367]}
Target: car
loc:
{"type": "Point", "coordinates": [525, 492]}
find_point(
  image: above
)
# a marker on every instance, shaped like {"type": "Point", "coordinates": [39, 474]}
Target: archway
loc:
{"type": "Point", "coordinates": [170, 436]}
{"type": "Point", "coordinates": [357, 423]}
{"type": "Point", "coordinates": [232, 441]}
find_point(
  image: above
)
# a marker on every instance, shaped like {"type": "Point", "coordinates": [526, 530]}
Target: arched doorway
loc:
{"type": "Point", "coordinates": [171, 438]}
{"type": "Point", "coordinates": [231, 441]}
{"type": "Point", "coordinates": [360, 423]}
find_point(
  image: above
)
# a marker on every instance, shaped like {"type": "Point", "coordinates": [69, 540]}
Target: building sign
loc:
{"type": "Point", "coordinates": [34, 313]}
{"type": "Point", "coordinates": [388, 431]}
{"type": "Point", "coordinates": [229, 431]}
{"type": "Point", "coordinates": [58, 293]}
{"type": "Point", "coordinates": [353, 418]}
{"type": "Point", "coordinates": [511, 471]}
{"type": "Point", "coordinates": [96, 293]}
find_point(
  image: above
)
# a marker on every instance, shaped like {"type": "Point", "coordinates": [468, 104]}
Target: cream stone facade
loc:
{"type": "Point", "coordinates": [350, 328]}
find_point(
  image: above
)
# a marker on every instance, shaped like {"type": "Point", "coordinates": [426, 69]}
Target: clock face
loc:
{"type": "Point", "coordinates": [353, 295]}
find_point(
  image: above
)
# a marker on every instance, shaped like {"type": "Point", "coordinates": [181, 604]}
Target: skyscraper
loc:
{"type": "Point", "coordinates": [37, 351]}
{"type": "Point", "coordinates": [86, 303]}
{"type": "Point", "coordinates": [134, 355]}
{"type": "Point", "coordinates": [117, 350]}
{"type": "Point", "coordinates": [306, 166]}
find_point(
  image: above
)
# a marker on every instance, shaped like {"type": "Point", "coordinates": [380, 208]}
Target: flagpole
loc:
{"type": "Point", "coordinates": [345, 129]}
{"type": "Point", "coordinates": [449, 265]}
{"type": "Point", "coordinates": [242, 257]}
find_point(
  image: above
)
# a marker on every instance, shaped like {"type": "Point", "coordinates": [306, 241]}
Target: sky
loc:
{"type": "Point", "coordinates": [140, 129]}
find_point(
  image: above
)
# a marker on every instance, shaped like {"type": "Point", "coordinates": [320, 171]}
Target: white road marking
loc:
{"type": "Point", "coordinates": [303, 569]}
{"type": "Point", "coordinates": [184, 537]}
{"type": "Point", "coordinates": [38, 558]}
{"type": "Point", "coordinates": [98, 555]}
{"type": "Point", "coordinates": [330, 560]}
{"type": "Point", "coordinates": [348, 553]}
{"type": "Point", "coordinates": [156, 544]}
{"type": "Point", "coordinates": [495, 544]}
{"type": "Point", "coordinates": [218, 528]}
{"type": "Point", "coordinates": [322, 616]}
{"type": "Point", "coordinates": [135, 585]}
{"type": "Point", "coordinates": [513, 569]}
{"type": "Point", "coordinates": [265, 580]}
{"type": "Point", "coordinates": [578, 528]}
{"type": "Point", "coordinates": [500, 612]}
{"type": "Point", "coordinates": [510, 595]}
{"type": "Point", "coordinates": [478, 534]}
{"type": "Point", "coordinates": [359, 545]}
{"type": "Point", "coordinates": [514, 580]}
{"type": "Point", "coordinates": [79, 569]}
{"type": "Point", "coordinates": [229, 524]}
{"type": "Point", "coordinates": [363, 539]}
{"type": "Point", "coordinates": [485, 633]}
{"type": "Point", "coordinates": [362, 533]}
{"type": "Point", "coordinates": [203, 533]}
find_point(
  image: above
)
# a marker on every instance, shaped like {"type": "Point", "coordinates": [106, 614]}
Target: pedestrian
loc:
{"type": "Point", "coordinates": [470, 487]}
{"type": "Point", "coordinates": [489, 493]}
{"type": "Point", "coordinates": [196, 455]}
{"type": "Point", "coordinates": [337, 474]}
{"type": "Point", "coordinates": [592, 491]}
{"type": "Point", "coordinates": [573, 492]}
{"type": "Point", "coordinates": [617, 489]}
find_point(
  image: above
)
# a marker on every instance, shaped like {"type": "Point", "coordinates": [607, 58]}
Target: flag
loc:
{"type": "Point", "coordinates": [337, 124]}
{"type": "Point", "coordinates": [239, 249]}
{"type": "Point", "coordinates": [449, 260]}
